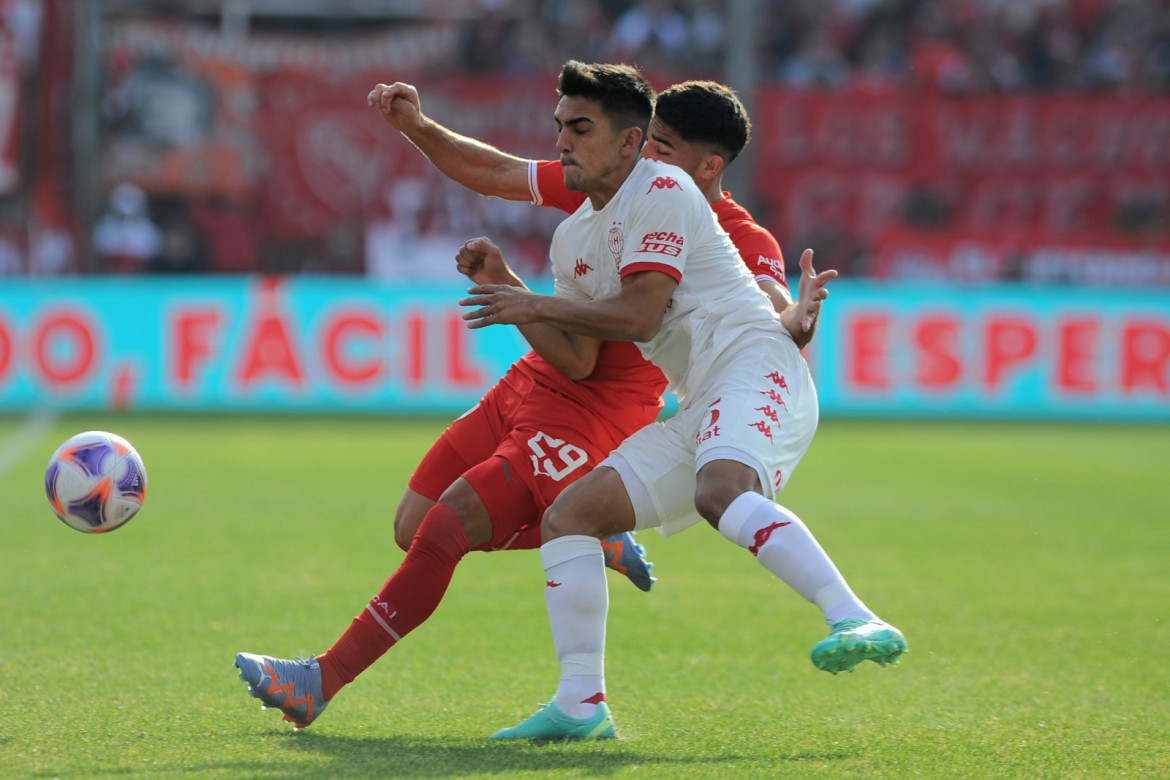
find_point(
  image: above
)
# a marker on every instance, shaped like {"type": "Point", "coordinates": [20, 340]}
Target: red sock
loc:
{"type": "Point", "coordinates": [407, 599]}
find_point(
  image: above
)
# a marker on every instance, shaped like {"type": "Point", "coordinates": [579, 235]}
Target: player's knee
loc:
{"type": "Point", "coordinates": [710, 504]}
{"type": "Point", "coordinates": [462, 499]}
{"type": "Point", "coordinates": [575, 514]}
{"type": "Point", "coordinates": [406, 525]}
{"type": "Point", "coordinates": [409, 516]}
{"type": "Point", "coordinates": [556, 523]}
{"type": "Point", "coordinates": [718, 484]}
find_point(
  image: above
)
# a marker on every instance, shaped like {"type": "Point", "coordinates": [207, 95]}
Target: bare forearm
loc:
{"type": "Point", "coordinates": [572, 355]}
{"type": "Point", "coordinates": [609, 319]}
{"type": "Point", "coordinates": [474, 164]}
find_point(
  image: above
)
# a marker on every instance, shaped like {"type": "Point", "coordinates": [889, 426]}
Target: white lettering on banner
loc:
{"type": "Point", "coordinates": [571, 456]}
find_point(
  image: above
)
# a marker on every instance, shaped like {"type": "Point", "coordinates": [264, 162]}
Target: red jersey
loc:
{"type": "Point", "coordinates": [758, 248]}
{"type": "Point", "coordinates": [625, 389]}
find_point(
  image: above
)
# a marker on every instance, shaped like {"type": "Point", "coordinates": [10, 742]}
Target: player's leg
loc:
{"type": "Point", "coordinates": [469, 440]}
{"type": "Point", "coordinates": [445, 462]}
{"type": "Point", "coordinates": [611, 499]}
{"type": "Point", "coordinates": [302, 689]}
{"type": "Point", "coordinates": [768, 410]}
{"type": "Point", "coordinates": [458, 521]}
{"type": "Point", "coordinates": [784, 545]}
{"type": "Point", "coordinates": [592, 508]}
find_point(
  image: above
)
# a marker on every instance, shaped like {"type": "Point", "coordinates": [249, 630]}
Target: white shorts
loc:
{"type": "Point", "coordinates": [760, 410]}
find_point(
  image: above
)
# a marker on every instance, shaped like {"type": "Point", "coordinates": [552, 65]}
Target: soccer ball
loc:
{"type": "Point", "coordinates": [95, 482]}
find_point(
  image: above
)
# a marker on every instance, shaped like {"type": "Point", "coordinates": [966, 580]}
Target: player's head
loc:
{"type": "Point", "coordinates": [695, 121]}
{"type": "Point", "coordinates": [625, 96]}
{"type": "Point", "coordinates": [601, 118]}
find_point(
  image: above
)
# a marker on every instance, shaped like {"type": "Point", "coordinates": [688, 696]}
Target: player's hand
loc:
{"type": "Point", "coordinates": [499, 304]}
{"type": "Point", "coordinates": [481, 261]}
{"type": "Point", "coordinates": [813, 290]}
{"type": "Point", "coordinates": [398, 104]}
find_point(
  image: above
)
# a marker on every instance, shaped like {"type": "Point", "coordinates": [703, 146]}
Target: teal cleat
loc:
{"type": "Point", "coordinates": [852, 641]}
{"type": "Point", "coordinates": [549, 723]}
{"type": "Point", "coordinates": [625, 556]}
{"type": "Point", "coordinates": [293, 687]}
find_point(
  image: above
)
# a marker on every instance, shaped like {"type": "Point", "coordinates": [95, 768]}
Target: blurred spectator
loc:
{"type": "Point", "coordinates": [653, 33]}
{"type": "Point", "coordinates": [399, 245]}
{"type": "Point", "coordinates": [125, 239]}
{"type": "Point", "coordinates": [183, 249]}
{"type": "Point", "coordinates": [12, 231]}
{"type": "Point", "coordinates": [227, 225]}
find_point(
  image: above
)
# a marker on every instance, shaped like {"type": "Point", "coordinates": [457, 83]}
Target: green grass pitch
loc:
{"type": "Point", "coordinates": [1028, 564]}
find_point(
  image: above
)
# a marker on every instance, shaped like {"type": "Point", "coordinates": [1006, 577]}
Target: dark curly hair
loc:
{"type": "Point", "coordinates": [626, 97]}
{"type": "Point", "coordinates": [706, 112]}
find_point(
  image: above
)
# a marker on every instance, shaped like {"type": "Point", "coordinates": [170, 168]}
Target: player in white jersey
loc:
{"type": "Point", "coordinates": [644, 260]}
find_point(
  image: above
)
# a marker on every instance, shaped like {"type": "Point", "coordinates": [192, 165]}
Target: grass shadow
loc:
{"type": "Point", "coordinates": [452, 757]}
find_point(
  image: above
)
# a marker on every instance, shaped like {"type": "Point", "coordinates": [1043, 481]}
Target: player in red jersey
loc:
{"type": "Point", "coordinates": [485, 485]}
{"type": "Point", "coordinates": [486, 482]}
{"type": "Point", "coordinates": [700, 126]}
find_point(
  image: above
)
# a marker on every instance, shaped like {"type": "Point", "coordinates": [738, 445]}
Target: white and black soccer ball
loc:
{"type": "Point", "coordinates": [95, 482]}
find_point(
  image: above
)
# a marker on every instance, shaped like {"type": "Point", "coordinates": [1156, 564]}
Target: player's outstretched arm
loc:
{"type": "Point", "coordinates": [800, 318]}
{"type": "Point", "coordinates": [478, 166]}
{"type": "Point", "coordinates": [574, 356]}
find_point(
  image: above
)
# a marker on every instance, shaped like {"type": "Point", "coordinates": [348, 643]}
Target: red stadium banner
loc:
{"type": "Point", "coordinates": [1085, 170]}
{"type": "Point", "coordinates": [281, 125]}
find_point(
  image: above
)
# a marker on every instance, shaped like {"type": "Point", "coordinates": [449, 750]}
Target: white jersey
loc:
{"type": "Point", "coordinates": [659, 221]}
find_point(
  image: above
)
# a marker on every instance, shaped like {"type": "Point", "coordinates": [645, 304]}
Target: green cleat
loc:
{"type": "Point", "coordinates": [852, 641]}
{"type": "Point", "coordinates": [549, 723]}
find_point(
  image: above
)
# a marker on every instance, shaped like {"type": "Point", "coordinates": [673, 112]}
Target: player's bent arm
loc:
{"type": "Point", "coordinates": [791, 318]}
{"type": "Point", "coordinates": [788, 311]}
{"type": "Point", "coordinates": [474, 164]}
{"type": "Point", "coordinates": [478, 166]}
{"type": "Point", "coordinates": [481, 260]}
{"type": "Point", "coordinates": [634, 314]}
{"type": "Point", "coordinates": [573, 355]}
{"type": "Point", "coordinates": [776, 292]}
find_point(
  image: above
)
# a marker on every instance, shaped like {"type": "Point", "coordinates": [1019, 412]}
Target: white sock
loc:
{"type": "Point", "coordinates": [578, 600]}
{"type": "Point", "coordinates": [784, 546]}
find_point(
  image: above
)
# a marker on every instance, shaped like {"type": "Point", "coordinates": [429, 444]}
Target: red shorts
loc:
{"type": "Point", "coordinates": [518, 448]}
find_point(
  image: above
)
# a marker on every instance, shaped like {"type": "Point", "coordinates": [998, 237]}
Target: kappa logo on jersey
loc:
{"type": "Point", "coordinates": [663, 183]}
{"type": "Point", "coordinates": [710, 428]}
{"type": "Point", "coordinates": [663, 242]}
{"type": "Point", "coordinates": [772, 264]}
{"type": "Point", "coordinates": [616, 241]}
{"type": "Point", "coordinates": [775, 397]}
{"type": "Point", "coordinates": [778, 478]}
{"type": "Point", "coordinates": [769, 412]}
{"type": "Point", "coordinates": [763, 427]}
{"type": "Point", "coordinates": [778, 381]}
{"type": "Point", "coordinates": [581, 267]}
{"type": "Point", "coordinates": [552, 457]}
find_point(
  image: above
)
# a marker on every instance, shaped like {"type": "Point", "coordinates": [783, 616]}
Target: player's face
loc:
{"type": "Point", "coordinates": [589, 147]}
{"type": "Point", "coordinates": [664, 143]}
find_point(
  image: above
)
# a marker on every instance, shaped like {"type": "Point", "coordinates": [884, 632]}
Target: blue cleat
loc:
{"type": "Point", "coordinates": [852, 641]}
{"type": "Point", "coordinates": [293, 687]}
{"type": "Point", "coordinates": [625, 556]}
{"type": "Point", "coordinates": [549, 723]}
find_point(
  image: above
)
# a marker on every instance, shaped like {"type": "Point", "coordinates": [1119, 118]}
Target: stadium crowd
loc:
{"type": "Point", "coordinates": [875, 47]}
{"type": "Point", "coordinates": [955, 46]}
